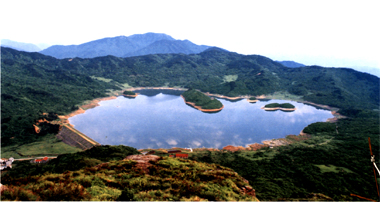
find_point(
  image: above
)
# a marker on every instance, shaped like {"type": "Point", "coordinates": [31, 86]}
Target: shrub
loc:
{"type": "Point", "coordinates": [126, 195]}
{"type": "Point", "coordinates": [64, 192]}
{"type": "Point", "coordinates": [319, 127]}
{"type": "Point", "coordinates": [127, 92]}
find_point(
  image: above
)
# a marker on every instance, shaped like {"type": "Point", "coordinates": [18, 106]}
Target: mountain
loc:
{"type": "Point", "coordinates": [291, 64]}
{"type": "Point", "coordinates": [33, 83]}
{"type": "Point", "coordinates": [122, 46]}
{"type": "Point", "coordinates": [28, 47]}
{"type": "Point", "coordinates": [169, 46]}
{"type": "Point", "coordinates": [370, 70]}
{"type": "Point", "coordinates": [332, 159]}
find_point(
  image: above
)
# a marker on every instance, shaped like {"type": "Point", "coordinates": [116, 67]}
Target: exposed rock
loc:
{"type": "Point", "coordinates": [233, 148]}
{"type": "Point", "coordinates": [143, 161]}
{"type": "Point", "coordinates": [276, 142]}
{"type": "Point", "coordinates": [3, 187]}
{"type": "Point", "coordinates": [248, 190]}
{"type": "Point", "coordinates": [36, 129]}
{"type": "Point", "coordinates": [205, 149]}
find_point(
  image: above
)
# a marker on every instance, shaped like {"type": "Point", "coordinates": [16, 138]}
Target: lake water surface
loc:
{"type": "Point", "coordinates": [161, 119]}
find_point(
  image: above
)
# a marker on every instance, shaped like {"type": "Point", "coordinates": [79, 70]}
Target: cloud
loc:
{"type": "Point", "coordinates": [132, 139]}
{"type": "Point", "coordinates": [159, 144]}
{"type": "Point", "coordinates": [217, 144]}
{"type": "Point", "coordinates": [171, 142]}
{"type": "Point", "coordinates": [196, 143]}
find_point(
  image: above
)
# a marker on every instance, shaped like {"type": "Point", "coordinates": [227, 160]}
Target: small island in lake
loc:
{"type": "Point", "coordinates": [252, 99]}
{"type": "Point", "coordinates": [130, 94]}
{"type": "Point", "coordinates": [276, 106]}
{"type": "Point", "coordinates": [201, 101]}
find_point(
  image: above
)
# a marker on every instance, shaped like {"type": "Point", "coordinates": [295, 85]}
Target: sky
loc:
{"type": "Point", "coordinates": [326, 33]}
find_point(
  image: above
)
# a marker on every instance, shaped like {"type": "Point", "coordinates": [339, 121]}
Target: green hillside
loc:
{"type": "Point", "coordinates": [331, 163]}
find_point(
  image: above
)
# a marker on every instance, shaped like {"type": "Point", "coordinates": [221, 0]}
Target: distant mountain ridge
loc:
{"type": "Point", "coordinates": [20, 46]}
{"type": "Point", "coordinates": [291, 64]}
{"type": "Point", "coordinates": [122, 46]}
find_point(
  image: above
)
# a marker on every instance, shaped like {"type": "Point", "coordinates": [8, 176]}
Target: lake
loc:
{"type": "Point", "coordinates": [161, 119]}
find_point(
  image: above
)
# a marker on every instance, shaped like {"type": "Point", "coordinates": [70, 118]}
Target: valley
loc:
{"type": "Point", "coordinates": [35, 87]}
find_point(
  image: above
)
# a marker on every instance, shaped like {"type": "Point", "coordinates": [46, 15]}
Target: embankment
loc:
{"type": "Point", "coordinates": [75, 138]}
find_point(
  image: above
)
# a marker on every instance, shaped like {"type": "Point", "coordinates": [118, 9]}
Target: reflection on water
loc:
{"type": "Point", "coordinates": [161, 119]}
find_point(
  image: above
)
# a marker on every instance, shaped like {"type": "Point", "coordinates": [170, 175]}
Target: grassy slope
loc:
{"type": "Point", "coordinates": [168, 179]}
{"type": "Point", "coordinates": [47, 145]}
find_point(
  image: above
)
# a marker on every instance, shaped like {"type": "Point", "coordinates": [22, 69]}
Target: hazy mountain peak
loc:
{"type": "Point", "coordinates": [291, 64]}
{"type": "Point", "coordinates": [28, 47]}
{"type": "Point", "coordinates": [122, 46]}
{"type": "Point", "coordinates": [151, 35]}
{"type": "Point", "coordinates": [216, 49]}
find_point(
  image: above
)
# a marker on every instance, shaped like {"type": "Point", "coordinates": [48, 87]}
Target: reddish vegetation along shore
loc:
{"type": "Point", "coordinates": [270, 143]}
{"type": "Point", "coordinates": [200, 108]}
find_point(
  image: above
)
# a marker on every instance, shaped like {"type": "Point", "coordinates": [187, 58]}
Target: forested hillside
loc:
{"type": "Point", "coordinates": [33, 83]}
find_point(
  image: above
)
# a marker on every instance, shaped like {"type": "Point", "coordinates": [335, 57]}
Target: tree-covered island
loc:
{"type": "Point", "coordinates": [201, 101]}
{"type": "Point", "coordinates": [277, 106]}
{"type": "Point", "coordinates": [128, 93]}
{"type": "Point", "coordinates": [252, 99]}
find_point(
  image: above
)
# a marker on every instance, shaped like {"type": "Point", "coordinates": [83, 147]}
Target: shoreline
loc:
{"type": "Point", "coordinates": [265, 143]}
{"type": "Point", "coordinates": [82, 109]}
{"type": "Point", "coordinates": [278, 108]}
{"type": "Point", "coordinates": [252, 101]}
{"type": "Point", "coordinates": [132, 96]}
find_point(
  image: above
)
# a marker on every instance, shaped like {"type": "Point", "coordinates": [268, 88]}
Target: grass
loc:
{"type": "Point", "coordinates": [332, 168]}
{"type": "Point", "coordinates": [125, 85]}
{"type": "Point", "coordinates": [230, 78]}
{"type": "Point", "coordinates": [49, 145]}
{"type": "Point", "coordinates": [101, 79]}
{"type": "Point", "coordinates": [312, 141]}
{"type": "Point", "coordinates": [283, 95]}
